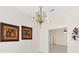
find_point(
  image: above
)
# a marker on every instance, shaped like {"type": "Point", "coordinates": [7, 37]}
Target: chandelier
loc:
{"type": "Point", "coordinates": [40, 16]}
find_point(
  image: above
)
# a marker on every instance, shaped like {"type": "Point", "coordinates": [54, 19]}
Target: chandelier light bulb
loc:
{"type": "Point", "coordinates": [40, 16]}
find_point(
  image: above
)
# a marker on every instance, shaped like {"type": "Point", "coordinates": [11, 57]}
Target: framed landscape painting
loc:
{"type": "Point", "coordinates": [9, 32]}
{"type": "Point", "coordinates": [26, 33]}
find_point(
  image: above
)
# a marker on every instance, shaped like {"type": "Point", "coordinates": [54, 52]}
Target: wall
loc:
{"type": "Point", "coordinates": [60, 38]}
{"type": "Point", "coordinates": [69, 19]}
{"type": "Point", "coordinates": [73, 45]}
{"type": "Point", "coordinates": [11, 15]}
{"type": "Point", "coordinates": [51, 37]}
{"type": "Point", "coordinates": [44, 38]}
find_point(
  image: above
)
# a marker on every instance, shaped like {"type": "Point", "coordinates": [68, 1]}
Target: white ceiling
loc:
{"type": "Point", "coordinates": [31, 10]}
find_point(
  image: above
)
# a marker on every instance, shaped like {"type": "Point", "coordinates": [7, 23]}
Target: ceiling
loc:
{"type": "Point", "coordinates": [31, 10]}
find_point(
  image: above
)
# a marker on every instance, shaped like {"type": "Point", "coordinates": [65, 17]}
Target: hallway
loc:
{"type": "Point", "coordinates": [58, 49]}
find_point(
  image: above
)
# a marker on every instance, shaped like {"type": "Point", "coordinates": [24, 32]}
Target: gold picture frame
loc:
{"type": "Point", "coordinates": [26, 33]}
{"type": "Point", "coordinates": [9, 32]}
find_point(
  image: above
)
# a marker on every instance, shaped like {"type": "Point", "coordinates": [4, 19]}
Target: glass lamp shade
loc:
{"type": "Point", "coordinates": [40, 16]}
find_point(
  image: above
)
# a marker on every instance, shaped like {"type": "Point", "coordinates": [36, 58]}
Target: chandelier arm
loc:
{"type": "Point", "coordinates": [40, 16]}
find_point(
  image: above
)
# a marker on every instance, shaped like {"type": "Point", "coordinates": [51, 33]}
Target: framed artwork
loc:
{"type": "Point", "coordinates": [9, 32]}
{"type": "Point", "coordinates": [26, 33]}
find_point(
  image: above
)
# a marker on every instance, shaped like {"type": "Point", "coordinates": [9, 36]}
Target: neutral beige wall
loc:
{"type": "Point", "coordinates": [11, 15]}
{"type": "Point", "coordinates": [57, 37]}
{"type": "Point", "coordinates": [70, 19]}
{"type": "Point", "coordinates": [60, 38]}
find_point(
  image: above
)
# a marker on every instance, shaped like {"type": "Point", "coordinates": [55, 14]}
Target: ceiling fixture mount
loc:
{"type": "Point", "coordinates": [52, 10]}
{"type": "Point", "coordinates": [40, 16]}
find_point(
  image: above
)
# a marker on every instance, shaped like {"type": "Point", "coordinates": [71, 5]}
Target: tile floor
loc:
{"type": "Point", "coordinates": [58, 49]}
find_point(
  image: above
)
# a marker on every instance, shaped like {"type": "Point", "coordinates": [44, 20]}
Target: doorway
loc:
{"type": "Point", "coordinates": [58, 40]}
